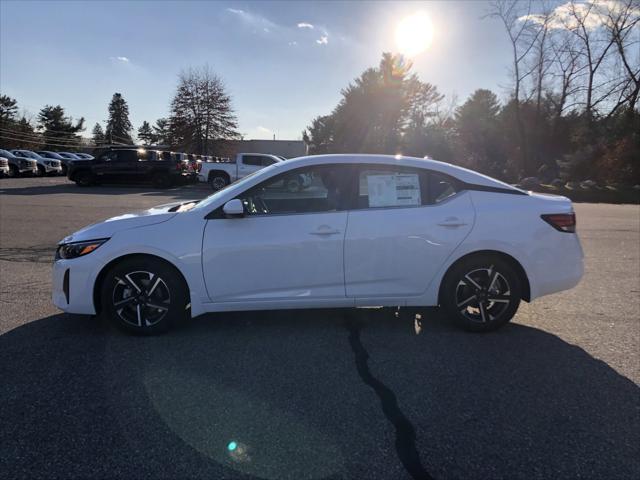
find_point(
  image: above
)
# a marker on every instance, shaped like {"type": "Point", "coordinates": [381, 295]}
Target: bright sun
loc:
{"type": "Point", "coordinates": [414, 34]}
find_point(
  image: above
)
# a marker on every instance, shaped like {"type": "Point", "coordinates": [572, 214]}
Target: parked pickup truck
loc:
{"type": "Point", "coordinates": [221, 173]}
{"type": "Point", "coordinates": [130, 165]}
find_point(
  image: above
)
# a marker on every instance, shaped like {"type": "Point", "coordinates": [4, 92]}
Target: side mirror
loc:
{"type": "Point", "coordinates": [233, 208]}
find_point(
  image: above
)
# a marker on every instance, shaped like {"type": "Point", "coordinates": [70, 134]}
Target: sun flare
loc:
{"type": "Point", "coordinates": [414, 34]}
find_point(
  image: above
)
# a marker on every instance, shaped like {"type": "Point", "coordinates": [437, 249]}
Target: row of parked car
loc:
{"type": "Point", "coordinates": [133, 164]}
{"type": "Point", "coordinates": [14, 163]}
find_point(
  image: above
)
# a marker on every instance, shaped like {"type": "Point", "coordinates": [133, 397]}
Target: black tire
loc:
{"type": "Point", "coordinates": [13, 171]}
{"type": "Point", "coordinates": [83, 178]}
{"type": "Point", "coordinates": [64, 170]}
{"type": "Point", "coordinates": [161, 180]}
{"type": "Point", "coordinates": [218, 180]}
{"type": "Point", "coordinates": [158, 285]}
{"type": "Point", "coordinates": [41, 171]}
{"type": "Point", "coordinates": [481, 293]}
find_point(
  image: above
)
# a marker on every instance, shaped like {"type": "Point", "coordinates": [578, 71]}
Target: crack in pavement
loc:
{"type": "Point", "coordinates": [405, 432]}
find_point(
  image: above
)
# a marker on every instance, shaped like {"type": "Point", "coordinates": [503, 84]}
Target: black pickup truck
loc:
{"type": "Point", "coordinates": [131, 165]}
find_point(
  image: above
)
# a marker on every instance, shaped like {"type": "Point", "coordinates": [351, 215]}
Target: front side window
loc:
{"type": "Point", "coordinates": [107, 156]}
{"type": "Point", "coordinates": [305, 190]}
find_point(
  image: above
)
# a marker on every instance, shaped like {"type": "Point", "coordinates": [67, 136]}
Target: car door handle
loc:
{"type": "Point", "coordinates": [325, 231]}
{"type": "Point", "coordinates": [452, 222]}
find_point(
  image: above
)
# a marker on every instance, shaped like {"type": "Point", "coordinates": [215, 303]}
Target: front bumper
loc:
{"type": "Point", "coordinates": [72, 286]}
{"type": "Point", "coordinates": [52, 169]}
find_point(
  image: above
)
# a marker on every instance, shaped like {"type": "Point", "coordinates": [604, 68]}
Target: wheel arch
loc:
{"type": "Point", "coordinates": [216, 172]}
{"type": "Point", "coordinates": [97, 285]}
{"type": "Point", "coordinates": [517, 266]}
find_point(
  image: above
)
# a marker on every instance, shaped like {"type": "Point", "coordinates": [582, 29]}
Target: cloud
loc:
{"type": "Point", "coordinates": [120, 59]}
{"type": "Point", "coordinates": [262, 129]}
{"type": "Point", "coordinates": [293, 43]}
{"type": "Point", "coordinates": [305, 25]}
{"type": "Point", "coordinates": [323, 40]}
{"type": "Point", "coordinates": [592, 13]}
{"type": "Point", "coordinates": [254, 20]}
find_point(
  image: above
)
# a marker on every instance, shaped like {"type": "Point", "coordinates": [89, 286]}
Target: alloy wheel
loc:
{"type": "Point", "coordinates": [141, 298]}
{"type": "Point", "coordinates": [483, 295]}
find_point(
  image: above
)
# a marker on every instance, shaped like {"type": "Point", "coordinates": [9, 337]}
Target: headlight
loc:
{"type": "Point", "coordinates": [77, 249]}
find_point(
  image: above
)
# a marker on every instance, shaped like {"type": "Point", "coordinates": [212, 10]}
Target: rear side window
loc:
{"type": "Point", "coordinates": [391, 187]}
{"type": "Point", "coordinates": [441, 187]}
{"type": "Point", "coordinates": [255, 160]}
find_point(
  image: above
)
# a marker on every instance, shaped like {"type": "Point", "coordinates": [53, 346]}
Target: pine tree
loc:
{"type": "Point", "coordinates": [118, 126]}
{"type": "Point", "coordinates": [59, 129]}
{"type": "Point", "coordinates": [8, 110]}
{"type": "Point", "coordinates": [161, 131]}
{"type": "Point", "coordinates": [98, 134]}
{"type": "Point", "coordinates": [145, 134]}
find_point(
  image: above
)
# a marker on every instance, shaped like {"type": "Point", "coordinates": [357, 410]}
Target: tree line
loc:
{"type": "Point", "coordinates": [571, 110]}
{"type": "Point", "coordinates": [201, 116]}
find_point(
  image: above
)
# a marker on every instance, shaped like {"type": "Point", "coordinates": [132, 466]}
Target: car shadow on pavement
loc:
{"type": "Point", "coordinates": [310, 394]}
{"type": "Point", "coordinates": [179, 192]}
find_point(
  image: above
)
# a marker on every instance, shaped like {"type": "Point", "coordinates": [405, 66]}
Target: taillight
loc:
{"type": "Point", "coordinates": [564, 222]}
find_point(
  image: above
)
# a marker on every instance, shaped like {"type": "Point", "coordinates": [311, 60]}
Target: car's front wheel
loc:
{"type": "Point", "coordinates": [13, 171]}
{"type": "Point", "coordinates": [41, 171]}
{"type": "Point", "coordinates": [481, 294]}
{"type": "Point", "coordinates": [144, 296]}
{"type": "Point", "coordinates": [84, 178]}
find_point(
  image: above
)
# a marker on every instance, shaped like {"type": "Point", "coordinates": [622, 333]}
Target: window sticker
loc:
{"type": "Point", "coordinates": [399, 190]}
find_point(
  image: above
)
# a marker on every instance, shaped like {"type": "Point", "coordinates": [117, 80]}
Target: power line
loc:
{"type": "Point", "coordinates": [41, 139]}
{"type": "Point", "coordinates": [40, 142]}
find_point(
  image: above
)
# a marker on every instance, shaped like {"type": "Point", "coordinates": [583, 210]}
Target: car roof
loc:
{"type": "Point", "coordinates": [460, 173]}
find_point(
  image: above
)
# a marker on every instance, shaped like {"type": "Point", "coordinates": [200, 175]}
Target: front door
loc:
{"type": "Point", "coordinates": [288, 247]}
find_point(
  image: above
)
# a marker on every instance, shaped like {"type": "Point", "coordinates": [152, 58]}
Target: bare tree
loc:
{"type": "Point", "coordinates": [201, 111]}
{"type": "Point", "coordinates": [623, 26]}
{"type": "Point", "coordinates": [519, 25]}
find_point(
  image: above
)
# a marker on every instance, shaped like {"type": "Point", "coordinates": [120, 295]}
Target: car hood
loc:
{"type": "Point", "coordinates": [126, 221]}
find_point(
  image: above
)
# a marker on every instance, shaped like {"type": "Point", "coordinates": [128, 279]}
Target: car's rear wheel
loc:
{"type": "Point", "coordinates": [481, 293]}
{"type": "Point", "coordinates": [218, 181]}
{"type": "Point", "coordinates": [144, 296]}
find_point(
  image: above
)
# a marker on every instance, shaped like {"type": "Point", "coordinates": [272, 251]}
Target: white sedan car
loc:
{"type": "Point", "coordinates": [371, 230]}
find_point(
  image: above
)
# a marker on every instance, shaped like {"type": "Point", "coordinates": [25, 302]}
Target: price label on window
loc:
{"type": "Point", "coordinates": [395, 190]}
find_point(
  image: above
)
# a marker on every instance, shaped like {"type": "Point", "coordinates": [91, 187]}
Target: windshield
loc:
{"type": "Point", "coordinates": [6, 154]}
{"type": "Point", "coordinates": [237, 184]}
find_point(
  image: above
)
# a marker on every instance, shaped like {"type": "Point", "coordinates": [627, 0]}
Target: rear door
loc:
{"type": "Point", "coordinates": [403, 226]}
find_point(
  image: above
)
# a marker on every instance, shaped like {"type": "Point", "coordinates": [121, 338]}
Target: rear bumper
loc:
{"type": "Point", "coordinates": [558, 268]}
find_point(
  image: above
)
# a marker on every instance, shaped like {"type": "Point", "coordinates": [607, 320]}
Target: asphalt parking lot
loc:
{"type": "Point", "coordinates": [314, 394]}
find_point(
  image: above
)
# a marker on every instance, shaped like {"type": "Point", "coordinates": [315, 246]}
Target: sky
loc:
{"type": "Point", "coordinates": [283, 63]}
